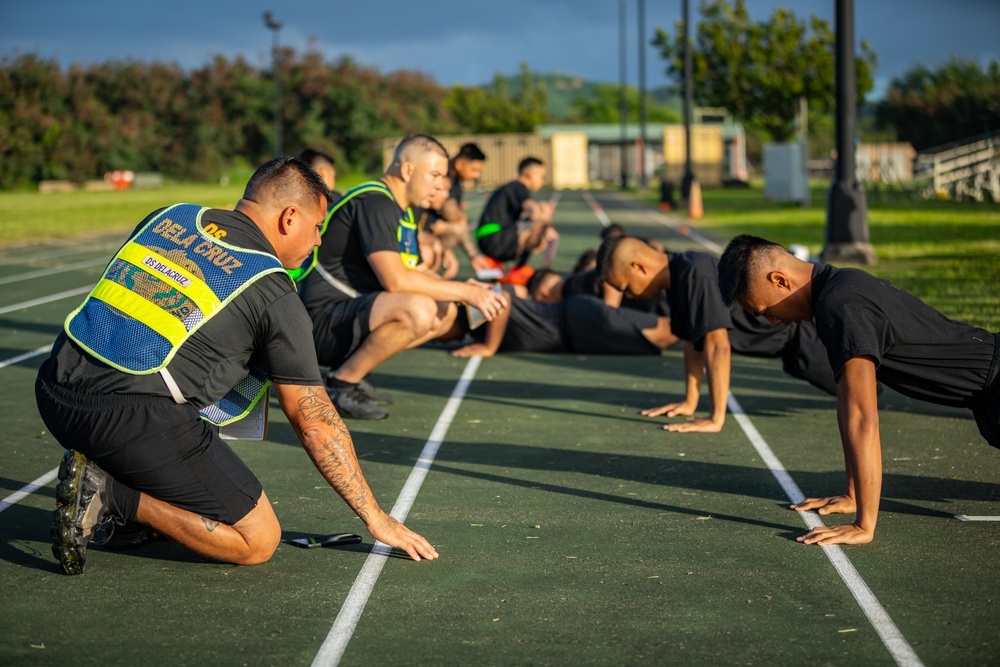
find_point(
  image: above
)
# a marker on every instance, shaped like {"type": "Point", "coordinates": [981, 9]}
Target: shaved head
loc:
{"type": "Point", "coordinates": [416, 147]}
{"type": "Point", "coordinates": [616, 254]}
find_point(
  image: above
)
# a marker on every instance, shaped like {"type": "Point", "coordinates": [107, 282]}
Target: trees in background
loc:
{"type": "Point", "coordinates": [957, 100]}
{"type": "Point", "coordinates": [80, 122]}
{"type": "Point", "coordinates": [758, 69]}
{"type": "Point", "coordinates": [497, 108]}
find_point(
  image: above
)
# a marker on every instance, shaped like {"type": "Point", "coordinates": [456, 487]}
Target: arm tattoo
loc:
{"type": "Point", "coordinates": [210, 525]}
{"type": "Point", "coordinates": [332, 450]}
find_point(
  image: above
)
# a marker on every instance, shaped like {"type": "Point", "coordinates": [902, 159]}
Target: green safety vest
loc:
{"type": "Point", "coordinates": [406, 231]}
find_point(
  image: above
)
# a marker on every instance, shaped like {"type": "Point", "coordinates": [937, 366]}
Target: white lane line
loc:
{"type": "Point", "coordinates": [27, 355]}
{"type": "Point", "coordinates": [674, 224]}
{"type": "Point", "coordinates": [893, 639]}
{"type": "Point", "coordinates": [29, 257]}
{"type": "Point", "coordinates": [41, 273]}
{"type": "Point", "coordinates": [28, 489]}
{"type": "Point", "coordinates": [966, 517]}
{"type": "Point", "coordinates": [340, 634]}
{"type": "Point", "coordinates": [597, 209]}
{"type": "Point", "coordinates": [46, 299]}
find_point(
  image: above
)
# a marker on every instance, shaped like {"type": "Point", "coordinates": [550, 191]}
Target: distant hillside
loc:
{"type": "Point", "coordinates": [562, 89]}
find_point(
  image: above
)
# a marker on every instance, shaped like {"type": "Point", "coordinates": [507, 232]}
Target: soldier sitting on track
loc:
{"type": "Point", "coordinates": [513, 225]}
{"type": "Point", "coordinates": [196, 312]}
{"type": "Point", "coordinates": [710, 329]}
{"type": "Point", "coordinates": [365, 301]}
{"type": "Point", "coordinates": [873, 332]}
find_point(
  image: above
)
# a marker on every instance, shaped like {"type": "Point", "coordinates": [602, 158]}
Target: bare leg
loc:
{"type": "Point", "coordinates": [249, 541]}
{"type": "Point", "coordinates": [398, 320]}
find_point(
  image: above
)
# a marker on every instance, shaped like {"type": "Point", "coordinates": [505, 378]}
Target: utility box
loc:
{"type": "Point", "coordinates": [786, 172]}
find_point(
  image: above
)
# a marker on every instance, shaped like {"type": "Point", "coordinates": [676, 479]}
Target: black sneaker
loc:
{"type": "Point", "coordinates": [81, 509]}
{"type": "Point", "coordinates": [374, 394]}
{"type": "Point", "coordinates": [351, 402]}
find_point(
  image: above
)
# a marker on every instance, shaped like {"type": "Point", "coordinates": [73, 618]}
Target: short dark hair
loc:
{"type": "Point", "coordinates": [312, 155]}
{"type": "Point", "coordinates": [287, 179]}
{"type": "Point", "coordinates": [470, 151]}
{"type": "Point", "coordinates": [585, 258]}
{"type": "Point", "coordinates": [528, 163]}
{"type": "Point", "coordinates": [536, 279]}
{"type": "Point", "coordinates": [614, 229]}
{"type": "Point", "coordinates": [604, 254]}
{"type": "Point", "coordinates": [739, 260]}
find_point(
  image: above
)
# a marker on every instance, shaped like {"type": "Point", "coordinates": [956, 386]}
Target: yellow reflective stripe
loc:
{"type": "Point", "coordinates": [141, 309]}
{"type": "Point", "coordinates": [197, 290]}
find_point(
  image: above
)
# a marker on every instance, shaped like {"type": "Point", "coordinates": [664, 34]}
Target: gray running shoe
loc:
{"type": "Point", "coordinates": [374, 394]}
{"type": "Point", "coordinates": [351, 402]}
{"type": "Point", "coordinates": [81, 509]}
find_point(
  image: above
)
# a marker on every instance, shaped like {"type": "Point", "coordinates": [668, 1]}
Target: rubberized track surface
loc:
{"type": "Point", "coordinates": [571, 529]}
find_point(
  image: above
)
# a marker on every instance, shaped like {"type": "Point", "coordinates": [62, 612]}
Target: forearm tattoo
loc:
{"type": "Point", "coordinates": [326, 438]}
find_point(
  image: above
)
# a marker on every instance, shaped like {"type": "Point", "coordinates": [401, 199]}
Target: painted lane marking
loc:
{"type": "Point", "coordinates": [46, 299]}
{"type": "Point", "coordinates": [28, 489]}
{"type": "Point", "coordinates": [27, 355]}
{"type": "Point", "coordinates": [965, 517]}
{"type": "Point", "coordinates": [898, 647]}
{"type": "Point", "coordinates": [597, 209]}
{"type": "Point", "coordinates": [41, 273]}
{"type": "Point", "coordinates": [340, 634]}
{"type": "Point", "coordinates": [680, 228]}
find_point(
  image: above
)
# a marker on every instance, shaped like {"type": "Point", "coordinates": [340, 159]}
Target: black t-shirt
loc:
{"type": "Point", "coordinates": [696, 308]}
{"type": "Point", "coordinates": [532, 327]}
{"type": "Point", "coordinates": [917, 350]}
{"type": "Point", "coordinates": [264, 326]}
{"type": "Point", "coordinates": [505, 205]}
{"type": "Point", "coordinates": [456, 191]}
{"type": "Point", "coordinates": [696, 305]}
{"type": "Point", "coordinates": [590, 284]}
{"type": "Point", "coordinates": [368, 223]}
{"type": "Point", "coordinates": [425, 217]}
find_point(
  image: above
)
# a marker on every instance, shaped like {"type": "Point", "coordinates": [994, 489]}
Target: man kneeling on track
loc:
{"type": "Point", "coordinates": [182, 329]}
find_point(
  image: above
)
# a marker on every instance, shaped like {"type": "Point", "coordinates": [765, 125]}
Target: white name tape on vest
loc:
{"type": "Point", "coordinates": [166, 271]}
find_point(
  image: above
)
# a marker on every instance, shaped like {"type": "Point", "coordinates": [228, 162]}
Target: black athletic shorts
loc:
{"type": "Point", "coordinates": [339, 330]}
{"type": "Point", "coordinates": [501, 245]}
{"type": "Point", "coordinates": [987, 411]}
{"type": "Point", "coordinates": [153, 445]}
{"type": "Point", "coordinates": [594, 327]}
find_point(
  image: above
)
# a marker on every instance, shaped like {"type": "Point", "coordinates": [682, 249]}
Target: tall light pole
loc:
{"type": "Point", "coordinates": [274, 26]}
{"type": "Point", "coordinates": [846, 206]}
{"type": "Point", "coordinates": [642, 94]}
{"type": "Point", "coordinates": [688, 171]}
{"type": "Point", "coordinates": [623, 106]}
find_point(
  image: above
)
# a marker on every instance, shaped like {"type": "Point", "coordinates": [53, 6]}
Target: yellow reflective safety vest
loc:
{"type": "Point", "coordinates": [406, 232]}
{"type": "Point", "coordinates": [170, 278]}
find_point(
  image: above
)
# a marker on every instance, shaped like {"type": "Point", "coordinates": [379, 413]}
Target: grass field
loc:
{"type": "Point", "coordinates": [572, 531]}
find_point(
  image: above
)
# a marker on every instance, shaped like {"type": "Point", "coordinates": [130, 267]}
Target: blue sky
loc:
{"type": "Point", "coordinates": [456, 41]}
